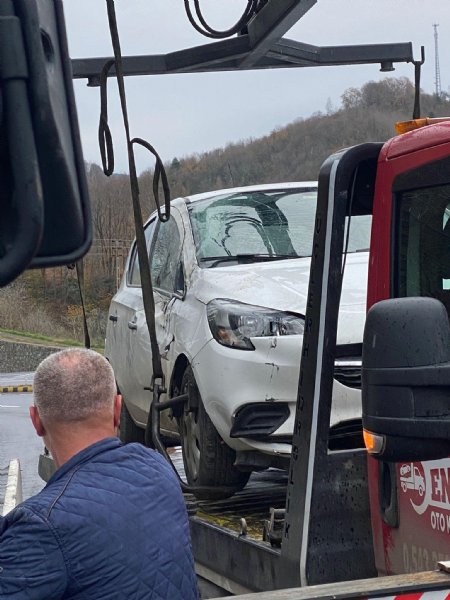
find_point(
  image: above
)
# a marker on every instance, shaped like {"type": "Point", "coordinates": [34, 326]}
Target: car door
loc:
{"type": "Point", "coordinates": [121, 338]}
{"type": "Point", "coordinates": [165, 253]}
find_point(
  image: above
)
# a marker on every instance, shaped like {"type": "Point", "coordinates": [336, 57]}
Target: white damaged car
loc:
{"type": "Point", "coordinates": [230, 272]}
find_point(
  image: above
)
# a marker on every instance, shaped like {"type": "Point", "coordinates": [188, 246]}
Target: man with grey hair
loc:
{"type": "Point", "coordinates": [111, 522]}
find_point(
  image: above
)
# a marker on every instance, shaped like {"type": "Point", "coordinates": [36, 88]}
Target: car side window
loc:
{"type": "Point", "coordinates": [166, 257]}
{"type": "Point", "coordinates": [134, 273]}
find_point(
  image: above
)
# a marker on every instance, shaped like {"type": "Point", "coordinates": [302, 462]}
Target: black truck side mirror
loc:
{"type": "Point", "coordinates": [44, 204]}
{"type": "Point", "coordinates": [406, 380]}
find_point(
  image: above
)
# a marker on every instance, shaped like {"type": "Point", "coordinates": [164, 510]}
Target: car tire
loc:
{"type": "Point", "coordinates": [128, 430]}
{"type": "Point", "coordinates": [208, 461]}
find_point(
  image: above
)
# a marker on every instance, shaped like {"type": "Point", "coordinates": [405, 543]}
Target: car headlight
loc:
{"type": "Point", "coordinates": [233, 324]}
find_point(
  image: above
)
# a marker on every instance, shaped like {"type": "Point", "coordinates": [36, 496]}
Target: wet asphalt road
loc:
{"type": "Point", "coordinates": [17, 436]}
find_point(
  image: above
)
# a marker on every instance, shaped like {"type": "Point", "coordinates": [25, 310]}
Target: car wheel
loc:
{"type": "Point", "coordinates": [128, 430]}
{"type": "Point", "coordinates": [208, 461]}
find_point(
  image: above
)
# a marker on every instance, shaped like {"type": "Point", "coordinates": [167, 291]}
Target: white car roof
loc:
{"type": "Point", "coordinates": [251, 188]}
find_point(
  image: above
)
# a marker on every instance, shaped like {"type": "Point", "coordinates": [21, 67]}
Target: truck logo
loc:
{"type": "Point", "coordinates": [427, 484]}
{"type": "Point", "coordinates": [411, 478]}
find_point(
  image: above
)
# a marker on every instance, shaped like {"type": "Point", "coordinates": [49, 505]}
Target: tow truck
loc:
{"type": "Point", "coordinates": [338, 517]}
{"type": "Point", "coordinates": [346, 516]}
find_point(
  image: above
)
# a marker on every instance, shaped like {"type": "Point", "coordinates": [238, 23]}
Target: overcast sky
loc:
{"type": "Point", "coordinates": [184, 114]}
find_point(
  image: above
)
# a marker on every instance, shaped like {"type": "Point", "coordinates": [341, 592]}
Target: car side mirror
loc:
{"type": "Point", "coordinates": [406, 380]}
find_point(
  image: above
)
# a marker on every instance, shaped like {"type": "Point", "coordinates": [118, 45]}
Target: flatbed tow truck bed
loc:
{"type": "Point", "coordinates": [218, 535]}
{"type": "Point", "coordinates": [264, 491]}
{"type": "Point", "coordinates": [245, 512]}
{"type": "Point", "coordinates": [227, 534]}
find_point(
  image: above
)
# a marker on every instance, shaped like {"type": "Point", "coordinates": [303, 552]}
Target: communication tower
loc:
{"type": "Point", "coordinates": [437, 70]}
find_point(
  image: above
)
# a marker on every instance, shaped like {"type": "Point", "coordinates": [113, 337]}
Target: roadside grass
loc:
{"type": "Point", "coordinates": [47, 339]}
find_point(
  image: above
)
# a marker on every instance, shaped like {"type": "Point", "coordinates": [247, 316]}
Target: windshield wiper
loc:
{"type": "Point", "coordinates": [246, 258]}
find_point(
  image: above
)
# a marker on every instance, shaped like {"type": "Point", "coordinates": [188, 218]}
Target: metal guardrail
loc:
{"type": "Point", "coordinates": [13, 492]}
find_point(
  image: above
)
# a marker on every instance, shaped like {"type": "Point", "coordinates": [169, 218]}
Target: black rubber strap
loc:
{"type": "Point", "coordinates": [104, 132]}
{"type": "Point", "coordinates": [79, 267]}
{"type": "Point", "coordinates": [80, 279]}
{"type": "Point", "coordinates": [160, 175]}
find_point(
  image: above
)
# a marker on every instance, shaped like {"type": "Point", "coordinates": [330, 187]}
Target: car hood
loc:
{"type": "Point", "coordinates": [283, 285]}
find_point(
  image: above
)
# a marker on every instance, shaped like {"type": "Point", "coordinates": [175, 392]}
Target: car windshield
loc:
{"type": "Point", "coordinates": [260, 226]}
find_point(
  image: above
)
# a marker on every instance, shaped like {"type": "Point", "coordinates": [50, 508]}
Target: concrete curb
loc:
{"type": "Point", "coordinates": [13, 494]}
{"type": "Point", "coordinates": [15, 389]}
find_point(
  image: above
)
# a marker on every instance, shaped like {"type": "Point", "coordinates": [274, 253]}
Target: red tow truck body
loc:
{"type": "Point", "coordinates": [405, 260]}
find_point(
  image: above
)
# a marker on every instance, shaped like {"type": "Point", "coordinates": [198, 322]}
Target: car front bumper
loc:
{"type": "Point", "coordinates": [229, 378]}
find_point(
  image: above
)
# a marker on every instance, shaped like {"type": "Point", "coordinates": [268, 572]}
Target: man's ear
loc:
{"type": "Point", "coordinates": [117, 409]}
{"type": "Point", "coordinates": [36, 420]}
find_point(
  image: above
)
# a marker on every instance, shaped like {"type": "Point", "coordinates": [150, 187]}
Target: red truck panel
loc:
{"type": "Point", "coordinates": [423, 536]}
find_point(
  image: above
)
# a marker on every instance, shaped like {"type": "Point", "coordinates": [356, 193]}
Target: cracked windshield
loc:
{"type": "Point", "coordinates": [262, 226]}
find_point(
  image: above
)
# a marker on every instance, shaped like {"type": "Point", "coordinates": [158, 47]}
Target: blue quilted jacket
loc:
{"type": "Point", "coordinates": [110, 524]}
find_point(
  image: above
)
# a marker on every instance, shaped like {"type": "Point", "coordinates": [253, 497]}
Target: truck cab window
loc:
{"type": "Point", "coordinates": [422, 239]}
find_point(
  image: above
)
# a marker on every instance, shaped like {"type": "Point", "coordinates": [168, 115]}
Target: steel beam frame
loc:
{"type": "Point", "coordinates": [261, 46]}
{"type": "Point", "coordinates": [305, 55]}
{"type": "Point", "coordinates": [270, 24]}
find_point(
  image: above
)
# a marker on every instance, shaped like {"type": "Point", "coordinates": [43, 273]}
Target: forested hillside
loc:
{"type": "Point", "coordinates": [295, 152]}
{"type": "Point", "coordinates": [47, 301]}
